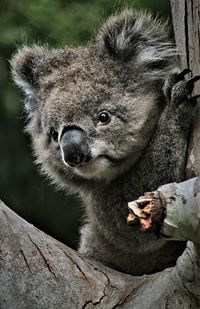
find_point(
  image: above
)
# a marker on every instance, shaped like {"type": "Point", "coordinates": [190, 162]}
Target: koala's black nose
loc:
{"type": "Point", "coordinates": [74, 146]}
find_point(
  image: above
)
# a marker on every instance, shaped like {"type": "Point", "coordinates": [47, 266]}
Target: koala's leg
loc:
{"type": "Point", "coordinates": [165, 157]}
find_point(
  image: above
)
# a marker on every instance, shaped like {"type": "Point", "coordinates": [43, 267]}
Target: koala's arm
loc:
{"type": "Point", "coordinates": [165, 157]}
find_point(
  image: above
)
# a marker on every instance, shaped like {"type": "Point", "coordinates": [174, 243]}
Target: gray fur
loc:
{"type": "Point", "coordinates": [122, 71]}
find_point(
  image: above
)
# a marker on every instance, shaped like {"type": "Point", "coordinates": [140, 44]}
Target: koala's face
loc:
{"type": "Point", "coordinates": [95, 129]}
{"type": "Point", "coordinates": [92, 110]}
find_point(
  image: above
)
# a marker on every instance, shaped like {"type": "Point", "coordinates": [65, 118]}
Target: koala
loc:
{"type": "Point", "coordinates": [110, 121]}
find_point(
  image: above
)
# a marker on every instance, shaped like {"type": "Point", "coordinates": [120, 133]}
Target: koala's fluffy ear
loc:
{"type": "Point", "coordinates": [123, 35]}
{"type": "Point", "coordinates": [25, 65]}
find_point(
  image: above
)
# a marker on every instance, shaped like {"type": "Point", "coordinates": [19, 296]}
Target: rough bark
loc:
{"type": "Point", "coordinates": [36, 271]}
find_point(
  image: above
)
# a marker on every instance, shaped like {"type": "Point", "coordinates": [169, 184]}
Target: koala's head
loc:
{"type": "Point", "coordinates": [93, 109]}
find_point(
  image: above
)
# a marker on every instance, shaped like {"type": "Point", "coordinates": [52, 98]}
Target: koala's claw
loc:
{"type": "Point", "coordinates": [177, 89]}
{"type": "Point", "coordinates": [173, 79]}
{"type": "Point", "coordinates": [181, 75]}
{"type": "Point", "coordinates": [194, 99]}
{"type": "Point", "coordinates": [182, 90]}
{"type": "Point", "coordinates": [192, 80]}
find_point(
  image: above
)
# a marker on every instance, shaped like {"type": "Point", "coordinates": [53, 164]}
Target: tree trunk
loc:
{"type": "Point", "coordinates": [186, 16]}
{"type": "Point", "coordinates": [36, 271]}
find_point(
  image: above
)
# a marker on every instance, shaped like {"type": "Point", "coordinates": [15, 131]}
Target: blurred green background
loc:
{"type": "Point", "coordinates": [58, 23]}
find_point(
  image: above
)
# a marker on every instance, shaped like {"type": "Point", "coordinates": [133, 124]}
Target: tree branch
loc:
{"type": "Point", "coordinates": [36, 271]}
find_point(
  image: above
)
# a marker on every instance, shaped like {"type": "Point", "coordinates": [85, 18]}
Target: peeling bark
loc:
{"type": "Point", "coordinates": [173, 211]}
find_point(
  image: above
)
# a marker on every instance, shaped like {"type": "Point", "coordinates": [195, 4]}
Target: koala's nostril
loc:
{"type": "Point", "coordinates": [77, 159]}
{"type": "Point", "coordinates": [74, 146]}
{"type": "Point", "coordinates": [74, 160]}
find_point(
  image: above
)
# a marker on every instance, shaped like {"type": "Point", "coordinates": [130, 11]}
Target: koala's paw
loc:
{"type": "Point", "coordinates": [178, 90]}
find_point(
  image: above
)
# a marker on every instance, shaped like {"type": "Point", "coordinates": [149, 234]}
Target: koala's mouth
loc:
{"type": "Point", "coordinates": [101, 158]}
{"type": "Point", "coordinates": [112, 160]}
{"type": "Point", "coordinates": [103, 166]}
{"type": "Point", "coordinates": [96, 168]}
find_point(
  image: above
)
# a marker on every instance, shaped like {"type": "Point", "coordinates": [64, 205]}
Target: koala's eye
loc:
{"type": "Point", "coordinates": [104, 117]}
{"type": "Point", "coordinates": [54, 134]}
